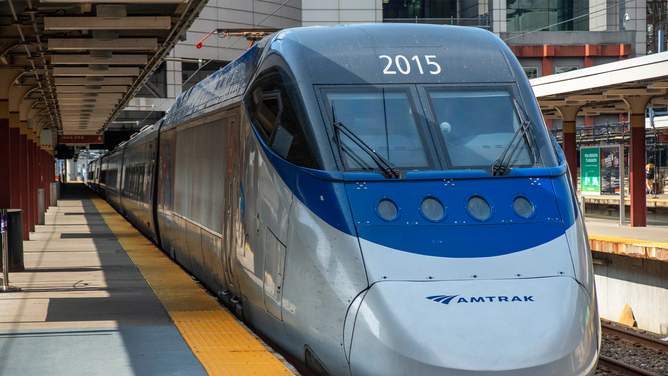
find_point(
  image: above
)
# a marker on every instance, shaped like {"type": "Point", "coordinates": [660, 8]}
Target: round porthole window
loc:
{"type": "Point", "coordinates": [523, 207]}
{"type": "Point", "coordinates": [479, 208]}
{"type": "Point", "coordinates": [432, 209]}
{"type": "Point", "coordinates": [387, 209]}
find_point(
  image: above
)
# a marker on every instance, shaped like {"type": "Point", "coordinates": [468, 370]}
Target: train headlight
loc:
{"type": "Point", "coordinates": [523, 207]}
{"type": "Point", "coordinates": [432, 209]}
{"type": "Point", "coordinates": [479, 208]}
{"type": "Point", "coordinates": [387, 209]}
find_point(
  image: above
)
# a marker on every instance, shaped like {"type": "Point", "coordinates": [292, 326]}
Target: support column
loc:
{"type": "Point", "coordinates": [35, 179]}
{"type": "Point", "coordinates": [5, 167]}
{"type": "Point", "coordinates": [548, 52]}
{"type": "Point", "coordinates": [16, 93]}
{"type": "Point", "coordinates": [32, 193]}
{"type": "Point", "coordinates": [14, 160]}
{"type": "Point", "coordinates": [23, 177]}
{"type": "Point", "coordinates": [588, 61]}
{"type": "Point", "coordinates": [546, 66]}
{"type": "Point", "coordinates": [637, 105]}
{"type": "Point", "coordinates": [25, 106]}
{"type": "Point", "coordinates": [44, 182]}
{"type": "Point", "coordinates": [6, 79]}
{"type": "Point", "coordinates": [568, 115]}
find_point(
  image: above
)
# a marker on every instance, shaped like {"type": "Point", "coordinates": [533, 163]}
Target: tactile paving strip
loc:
{"type": "Point", "coordinates": [232, 356]}
{"type": "Point", "coordinates": [222, 345]}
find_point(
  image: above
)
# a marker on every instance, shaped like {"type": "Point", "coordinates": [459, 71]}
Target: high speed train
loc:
{"type": "Point", "coordinates": [378, 199]}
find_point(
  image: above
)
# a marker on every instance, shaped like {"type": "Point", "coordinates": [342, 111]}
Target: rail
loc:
{"type": "Point", "coordinates": [629, 336]}
{"type": "Point", "coordinates": [622, 368]}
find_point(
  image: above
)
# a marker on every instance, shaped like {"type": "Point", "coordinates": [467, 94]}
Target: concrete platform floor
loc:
{"type": "Point", "coordinates": [609, 226]}
{"type": "Point", "coordinates": [85, 309]}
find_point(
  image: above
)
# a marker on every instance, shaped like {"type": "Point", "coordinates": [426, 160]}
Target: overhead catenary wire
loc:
{"type": "Point", "coordinates": [212, 59]}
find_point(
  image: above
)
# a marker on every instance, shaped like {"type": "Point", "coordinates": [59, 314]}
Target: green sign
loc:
{"type": "Point", "coordinates": [590, 170]}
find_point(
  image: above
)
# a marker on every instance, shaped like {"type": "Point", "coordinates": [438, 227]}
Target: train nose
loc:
{"type": "Point", "coordinates": [544, 326]}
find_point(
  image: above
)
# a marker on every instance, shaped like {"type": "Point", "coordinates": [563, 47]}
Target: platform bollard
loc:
{"type": "Point", "coordinates": [41, 206]}
{"type": "Point", "coordinates": [53, 194]}
{"type": "Point", "coordinates": [5, 254]}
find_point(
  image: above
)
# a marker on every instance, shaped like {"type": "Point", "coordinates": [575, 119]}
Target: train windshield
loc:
{"type": "Point", "coordinates": [471, 127]}
{"type": "Point", "coordinates": [387, 121]}
{"type": "Point", "coordinates": [479, 128]}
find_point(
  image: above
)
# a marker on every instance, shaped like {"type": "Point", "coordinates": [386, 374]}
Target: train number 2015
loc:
{"type": "Point", "coordinates": [404, 66]}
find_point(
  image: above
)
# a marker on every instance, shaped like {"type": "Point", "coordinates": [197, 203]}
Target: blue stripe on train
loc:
{"type": "Point", "coordinates": [323, 192]}
{"type": "Point", "coordinates": [463, 241]}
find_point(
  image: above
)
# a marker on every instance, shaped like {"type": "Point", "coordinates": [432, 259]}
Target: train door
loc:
{"type": "Point", "coordinates": [231, 170]}
{"type": "Point", "coordinates": [274, 266]}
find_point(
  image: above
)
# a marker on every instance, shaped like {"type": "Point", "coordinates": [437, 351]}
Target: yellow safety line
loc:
{"type": "Point", "coordinates": [221, 344]}
{"type": "Point", "coordinates": [613, 239]}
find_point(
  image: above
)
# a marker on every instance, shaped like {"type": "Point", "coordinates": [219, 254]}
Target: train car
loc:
{"type": "Point", "coordinates": [136, 191]}
{"type": "Point", "coordinates": [94, 175]}
{"type": "Point", "coordinates": [112, 176]}
{"type": "Point", "coordinates": [377, 200]}
{"type": "Point", "coordinates": [90, 174]}
{"type": "Point", "coordinates": [102, 180]}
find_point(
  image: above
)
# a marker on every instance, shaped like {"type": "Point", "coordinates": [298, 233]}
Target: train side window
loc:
{"type": "Point", "coordinates": [287, 137]}
{"type": "Point", "coordinates": [268, 112]}
{"type": "Point", "coordinates": [282, 142]}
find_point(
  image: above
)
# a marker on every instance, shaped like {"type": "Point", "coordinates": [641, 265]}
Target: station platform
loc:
{"type": "Point", "coordinates": [607, 235]}
{"type": "Point", "coordinates": [99, 299]}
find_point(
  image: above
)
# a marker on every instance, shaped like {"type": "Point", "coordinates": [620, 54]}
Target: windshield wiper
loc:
{"type": "Point", "coordinates": [524, 131]}
{"type": "Point", "coordinates": [385, 166]}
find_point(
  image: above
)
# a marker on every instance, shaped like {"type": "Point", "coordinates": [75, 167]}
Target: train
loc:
{"type": "Point", "coordinates": [375, 199]}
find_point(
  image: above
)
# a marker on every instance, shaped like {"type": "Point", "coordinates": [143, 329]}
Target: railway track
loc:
{"type": "Point", "coordinates": [622, 368]}
{"type": "Point", "coordinates": [633, 337]}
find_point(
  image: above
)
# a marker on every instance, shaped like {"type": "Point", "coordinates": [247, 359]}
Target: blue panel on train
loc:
{"type": "Point", "coordinates": [462, 241]}
{"type": "Point", "coordinates": [454, 194]}
{"type": "Point", "coordinates": [567, 202]}
{"type": "Point", "coordinates": [321, 191]}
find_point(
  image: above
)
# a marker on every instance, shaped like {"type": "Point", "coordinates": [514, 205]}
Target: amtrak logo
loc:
{"type": "Point", "coordinates": [446, 299]}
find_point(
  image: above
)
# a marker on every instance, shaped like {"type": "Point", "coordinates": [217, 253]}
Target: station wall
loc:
{"type": "Point", "coordinates": [639, 282]}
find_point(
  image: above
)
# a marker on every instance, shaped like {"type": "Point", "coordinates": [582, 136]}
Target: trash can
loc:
{"type": "Point", "coordinates": [14, 241]}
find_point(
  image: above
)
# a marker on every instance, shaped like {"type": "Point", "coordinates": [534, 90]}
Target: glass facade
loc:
{"type": "Point", "coordinates": [419, 9]}
{"type": "Point", "coordinates": [657, 19]}
{"type": "Point", "coordinates": [547, 15]}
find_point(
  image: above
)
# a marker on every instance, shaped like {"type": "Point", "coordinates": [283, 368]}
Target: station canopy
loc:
{"type": "Point", "coordinates": [75, 65]}
{"type": "Point", "coordinates": [604, 89]}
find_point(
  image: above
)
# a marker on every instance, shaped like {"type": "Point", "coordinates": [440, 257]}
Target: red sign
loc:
{"type": "Point", "coordinates": [81, 139]}
{"type": "Point", "coordinates": [663, 138]}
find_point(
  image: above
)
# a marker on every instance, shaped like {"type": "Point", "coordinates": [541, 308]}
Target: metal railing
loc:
{"type": "Point", "coordinates": [481, 21]}
{"type": "Point", "coordinates": [608, 133]}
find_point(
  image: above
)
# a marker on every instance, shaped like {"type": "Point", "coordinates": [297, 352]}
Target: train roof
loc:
{"type": "Point", "coordinates": [354, 54]}
{"type": "Point", "coordinates": [350, 54]}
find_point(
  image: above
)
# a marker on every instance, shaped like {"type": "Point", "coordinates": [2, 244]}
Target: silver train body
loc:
{"type": "Point", "coordinates": [450, 245]}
